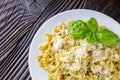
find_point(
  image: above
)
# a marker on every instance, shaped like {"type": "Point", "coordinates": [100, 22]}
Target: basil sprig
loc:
{"type": "Point", "coordinates": [80, 30]}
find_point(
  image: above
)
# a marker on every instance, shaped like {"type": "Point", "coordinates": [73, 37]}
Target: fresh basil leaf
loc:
{"type": "Point", "coordinates": [90, 37]}
{"type": "Point", "coordinates": [77, 34]}
{"type": "Point", "coordinates": [92, 24]}
{"type": "Point", "coordinates": [107, 37]}
{"type": "Point", "coordinates": [82, 24]}
{"type": "Point", "coordinates": [119, 40]}
{"type": "Point", "coordinates": [78, 29]}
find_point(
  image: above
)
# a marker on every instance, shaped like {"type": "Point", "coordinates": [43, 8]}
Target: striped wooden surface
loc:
{"type": "Point", "coordinates": [19, 21]}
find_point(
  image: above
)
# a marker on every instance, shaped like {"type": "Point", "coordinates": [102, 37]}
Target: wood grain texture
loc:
{"type": "Point", "coordinates": [19, 21]}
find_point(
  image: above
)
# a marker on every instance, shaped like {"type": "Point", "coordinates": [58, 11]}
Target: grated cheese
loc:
{"type": "Point", "coordinates": [105, 72]}
{"type": "Point", "coordinates": [96, 53]}
{"type": "Point", "coordinates": [81, 52]}
{"type": "Point", "coordinates": [58, 44]}
{"type": "Point", "coordinates": [116, 56]}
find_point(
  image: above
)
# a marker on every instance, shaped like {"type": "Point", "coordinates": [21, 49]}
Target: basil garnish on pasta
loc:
{"type": "Point", "coordinates": [107, 37]}
{"type": "Point", "coordinates": [92, 25]}
{"type": "Point", "coordinates": [90, 37]}
{"type": "Point", "coordinates": [80, 30]}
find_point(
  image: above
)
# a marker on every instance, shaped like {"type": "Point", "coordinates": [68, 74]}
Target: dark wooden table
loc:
{"type": "Point", "coordinates": [19, 21]}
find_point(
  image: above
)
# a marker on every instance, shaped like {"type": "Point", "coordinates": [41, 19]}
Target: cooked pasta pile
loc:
{"type": "Point", "coordinates": [65, 58]}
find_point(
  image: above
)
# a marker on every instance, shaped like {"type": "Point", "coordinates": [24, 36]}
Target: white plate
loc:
{"type": "Point", "coordinates": [35, 71]}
